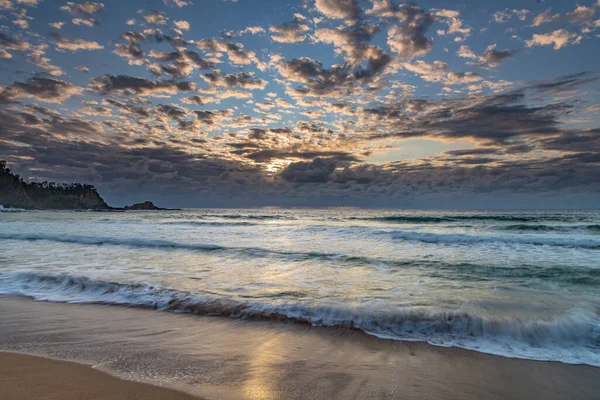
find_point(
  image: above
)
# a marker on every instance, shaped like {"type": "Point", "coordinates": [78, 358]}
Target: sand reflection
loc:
{"type": "Point", "coordinates": [264, 369]}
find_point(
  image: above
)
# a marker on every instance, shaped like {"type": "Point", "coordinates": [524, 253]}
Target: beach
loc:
{"type": "Point", "coordinates": [24, 377]}
{"type": "Point", "coordinates": [224, 358]}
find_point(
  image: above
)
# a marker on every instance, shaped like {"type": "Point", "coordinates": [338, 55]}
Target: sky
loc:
{"type": "Point", "coordinates": [375, 103]}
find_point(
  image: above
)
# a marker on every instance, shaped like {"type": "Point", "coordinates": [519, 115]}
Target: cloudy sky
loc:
{"type": "Point", "coordinates": [309, 103]}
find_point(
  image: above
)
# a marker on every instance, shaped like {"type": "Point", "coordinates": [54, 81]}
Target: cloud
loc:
{"type": "Point", "coordinates": [198, 100]}
{"type": "Point", "coordinates": [408, 39]}
{"type": "Point", "coordinates": [582, 15]}
{"type": "Point", "coordinates": [495, 119]}
{"type": "Point", "coordinates": [56, 25]}
{"type": "Point", "coordinates": [96, 111]}
{"type": "Point", "coordinates": [177, 3]}
{"type": "Point", "coordinates": [560, 38]}
{"type": "Point", "coordinates": [465, 52]}
{"type": "Point", "coordinates": [563, 84]}
{"type": "Point", "coordinates": [545, 17]}
{"type": "Point", "coordinates": [156, 17]}
{"type": "Point", "coordinates": [438, 71]}
{"type": "Point", "coordinates": [455, 25]}
{"type": "Point", "coordinates": [240, 79]}
{"type": "Point", "coordinates": [352, 42]}
{"type": "Point", "coordinates": [235, 51]}
{"type": "Point", "coordinates": [503, 16]}
{"type": "Point", "coordinates": [182, 63]}
{"type": "Point", "coordinates": [318, 170]}
{"type": "Point", "coordinates": [62, 43]}
{"type": "Point", "coordinates": [490, 58]}
{"type": "Point", "coordinates": [183, 25]}
{"type": "Point", "coordinates": [37, 58]}
{"type": "Point", "coordinates": [13, 44]}
{"type": "Point", "coordinates": [42, 89]}
{"type": "Point", "coordinates": [254, 30]}
{"type": "Point", "coordinates": [211, 117]}
{"type": "Point", "coordinates": [85, 8]}
{"type": "Point", "coordinates": [290, 32]}
{"type": "Point", "coordinates": [339, 9]}
{"type": "Point", "coordinates": [90, 22]}
{"type": "Point", "coordinates": [8, 4]}
{"type": "Point", "coordinates": [128, 85]}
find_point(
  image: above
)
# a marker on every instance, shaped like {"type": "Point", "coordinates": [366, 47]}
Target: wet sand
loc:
{"type": "Point", "coordinates": [223, 358]}
{"type": "Point", "coordinates": [25, 377]}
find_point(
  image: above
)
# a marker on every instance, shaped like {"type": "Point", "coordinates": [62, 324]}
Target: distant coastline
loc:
{"type": "Point", "coordinates": [16, 193]}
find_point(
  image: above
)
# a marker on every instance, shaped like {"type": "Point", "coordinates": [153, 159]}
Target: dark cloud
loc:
{"type": "Point", "coordinates": [128, 85]}
{"type": "Point", "coordinates": [182, 63]}
{"type": "Point", "coordinates": [493, 119]}
{"type": "Point", "coordinates": [12, 43]}
{"type": "Point", "coordinates": [318, 170]}
{"type": "Point", "coordinates": [240, 79]}
{"type": "Point", "coordinates": [473, 152]}
{"type": "Point", "coordinates": [209, 117]}
{"type": "Point", "coordinates": [492, 57]}
{"type": "Point", "coordinates": [408, 37]}
{"type": "Point", "coordinates": [264, 156]}
{"type": "Point", "coordinates": [39, 88]}
{"type": "Point", "coordinates": [582, 141]}
{"type": "Point", "coordinates": [565, 83]}
{"type": "Point", "coordinates": [315, 80]}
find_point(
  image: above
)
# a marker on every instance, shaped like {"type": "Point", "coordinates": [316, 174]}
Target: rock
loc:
{"type": "Point", "coordinates": [147, 205]}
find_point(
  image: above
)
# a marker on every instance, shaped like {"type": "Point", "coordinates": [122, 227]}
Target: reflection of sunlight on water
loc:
{"type": "Point", "coordinates": [262, 369]}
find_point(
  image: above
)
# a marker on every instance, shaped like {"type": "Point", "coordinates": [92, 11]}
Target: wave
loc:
{"type": "Point", "coordinates": [550, 228]}
{"type": "Point", "coordinates": [248, 216]}
{"type": "Point", "coordinates": [465, 239]}
{"type": "Point", "coordinates": [574, 338]}
{"type": "Point", "coordinates": [463, 271]}
{"type": "Point", "coordinates": [10, 209]}
{"type": "Point", "coordinates": [208, 223]}
{"type": "Point", "coordinates": [457, 218]}
{"type": "Point", "coordinates": [165, 244]}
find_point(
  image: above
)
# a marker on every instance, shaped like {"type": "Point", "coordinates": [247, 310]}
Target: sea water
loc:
{"type": "Point", "coordinates": [523, 284]}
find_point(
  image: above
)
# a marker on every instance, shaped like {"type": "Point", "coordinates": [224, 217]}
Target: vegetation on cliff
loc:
{"type": "Point", "coordinates": [15, 192]}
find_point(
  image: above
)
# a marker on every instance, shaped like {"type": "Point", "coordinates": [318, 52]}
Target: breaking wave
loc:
{"type": "Point", "coordinates": [10, 209]}
{"type": "Point", "coordinates": [574, 338]}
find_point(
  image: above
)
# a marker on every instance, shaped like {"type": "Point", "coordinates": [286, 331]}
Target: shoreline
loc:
{"type": "Point", "coordinates": [222, 358]}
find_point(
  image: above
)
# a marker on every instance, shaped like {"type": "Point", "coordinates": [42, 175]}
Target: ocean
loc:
{"type": "Point", "coordinates": [519, 284]}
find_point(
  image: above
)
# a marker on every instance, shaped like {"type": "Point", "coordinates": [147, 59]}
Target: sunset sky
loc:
{"type": "Point", "coordinates": [308, 103]}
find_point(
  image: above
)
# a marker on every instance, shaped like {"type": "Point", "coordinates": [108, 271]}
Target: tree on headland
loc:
{"type": "Point", "coordinates": [16, 192]}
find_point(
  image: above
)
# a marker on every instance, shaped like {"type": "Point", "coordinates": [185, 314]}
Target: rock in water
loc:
{"type": "Point", "coordinates": [147, 205]}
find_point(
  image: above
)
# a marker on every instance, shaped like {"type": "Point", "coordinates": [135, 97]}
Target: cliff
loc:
{"type": "Point", "coordinates": [15, 192]}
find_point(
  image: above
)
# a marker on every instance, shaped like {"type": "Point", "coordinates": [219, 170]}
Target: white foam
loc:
{"type": "Point", "coordinates": [10, 209]}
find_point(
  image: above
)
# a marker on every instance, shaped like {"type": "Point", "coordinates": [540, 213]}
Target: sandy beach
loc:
{"type": "Point", "coordinates": [224, 358]}
{"type": "Point", "coordinates": [24, 377]}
